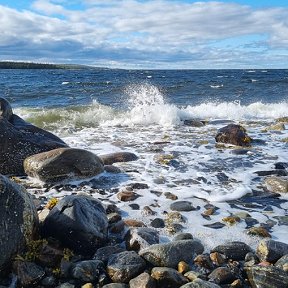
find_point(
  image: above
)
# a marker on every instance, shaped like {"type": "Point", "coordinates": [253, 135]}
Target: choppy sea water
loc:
{"type": "Point", "coordinates": [105, 111]}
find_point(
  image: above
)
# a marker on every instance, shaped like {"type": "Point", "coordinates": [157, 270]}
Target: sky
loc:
{"type": "Point", "coordinates": [147, 34]}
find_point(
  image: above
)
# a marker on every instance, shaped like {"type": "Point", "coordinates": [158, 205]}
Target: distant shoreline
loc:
{"type": "Point", "coordinates": [33, 65]}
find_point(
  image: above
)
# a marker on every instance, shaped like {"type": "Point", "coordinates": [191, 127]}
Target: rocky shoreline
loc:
{"type": "Point", "coordinates": [80, 241]}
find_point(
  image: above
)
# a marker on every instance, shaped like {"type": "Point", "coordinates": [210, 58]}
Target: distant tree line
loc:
{"type": "Point", "coordinates": [33, 65]}
{"type": "Point", "coordinates": [28, 65]}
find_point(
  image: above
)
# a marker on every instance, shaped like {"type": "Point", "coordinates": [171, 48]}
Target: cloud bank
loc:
{"type": "Point", "coordinates": [146, 34]}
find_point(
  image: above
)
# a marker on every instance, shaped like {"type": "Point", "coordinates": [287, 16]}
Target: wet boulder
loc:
{"type": "Point", "coordinates": [18, 220]}
{"type": "Point", "coordinates": [267, 276]}
{"type": "Point", "coordinates": [170, 254]}
{"type": "Point", "coordinates": [234, 250]}
{"type": "Point", "coordinates": [124, 266]}
{"type": "Point", "coordinates": [141, 237]}
{"type": "Point", "coordinates": [109, 159]}
{"type": "Point", "coordinates": [79, 222]}
{"type": "Point", "coordinates": [63, 163]}
{"type": "Point", "coordinates": [168, 277]}
{"type": "Point", "coordinates": [271, 251]}
{"type": "Point", "coordinates": [277, 184]}
{"type": "Point", "coordinates": [19, 139]}
{"type": "Point", "coordinates": [233, 134]}
{"type": "Point", "coordinates": [29, 274]}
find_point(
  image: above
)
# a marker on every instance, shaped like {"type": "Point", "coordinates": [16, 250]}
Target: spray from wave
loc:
{"type": "Point", "coordinates": [146, 105]}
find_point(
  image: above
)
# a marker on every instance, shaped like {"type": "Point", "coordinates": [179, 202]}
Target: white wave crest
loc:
{"type": "Point", "coordinates": [147, 106]}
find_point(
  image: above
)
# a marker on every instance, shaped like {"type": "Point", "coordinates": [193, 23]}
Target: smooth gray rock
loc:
{"type": "Point", "coordinates": [63, 163]}
{"type": "Point", "coordinates": [79, 222]}
{"type": "Point", "coordinates": [144, 280]}
{"type": "Point", "coordinates": [182, 206]}
{"type": "Point", "coordinates": [116, 285]}
{"type": "Point", "coordinates": [222, 275]}
{"type": "Point", "coordinates": [141, 237]}
{"type": "Point", "coordinates": [170, 254]}
{"type": "Point", "coordinates": [124, 266]}
{"type": "Point", "coordinates": [199, 283]}
{"type": "Point", "coordinates": [233, 250]}
{"type": "Point", "coordinates": [111, 158]}
{"type": "Point", "coordinates": [105, 252]}
{"type": "Point", "coordinates": [18, 220]}
{"type": "Point", "coordinates": [183, 236]}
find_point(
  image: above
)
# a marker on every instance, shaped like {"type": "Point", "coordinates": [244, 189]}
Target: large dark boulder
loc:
{"type": "Point", "coordinates": [19, 139]}
{"type": "Point", "coordinates": [18, 220]}
{"type": "Point", "coordinates": [79, 222]}
{"type": "Point", "coordinates": [233, 134]}
{"type": "Point", "coordinates": [63, 163]}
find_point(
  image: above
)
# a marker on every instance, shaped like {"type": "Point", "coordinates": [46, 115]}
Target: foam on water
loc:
{"type": "Point", "coordinates": [146, 105]}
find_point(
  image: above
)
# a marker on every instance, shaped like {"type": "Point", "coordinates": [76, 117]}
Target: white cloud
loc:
{"type": "Point", "coordinates": [156, 31]}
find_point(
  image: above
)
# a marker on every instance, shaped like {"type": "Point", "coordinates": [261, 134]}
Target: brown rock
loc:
{"type": "Point", "coordinates": [259, 231]}
{"type": "Point", "coordinates": [134, 223]}
{"type": "Point", "coordinates": [127, 196]}
{"type": "Point", "coordinates": [168, 277]}
{"type": "Point", "coordinates": [233, 134]}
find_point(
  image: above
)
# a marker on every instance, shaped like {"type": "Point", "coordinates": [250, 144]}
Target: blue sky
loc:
{"type": "Point", "coordinates": [163, 34]}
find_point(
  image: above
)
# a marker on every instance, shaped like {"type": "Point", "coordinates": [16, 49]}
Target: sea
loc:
{"type": "Point", "coordinates": [144, 111]}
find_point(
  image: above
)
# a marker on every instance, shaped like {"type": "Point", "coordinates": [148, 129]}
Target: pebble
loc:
{"type": "Point", "coordinates": [182, 206]}
{"type": "Point", "coordinates": [127, 196]}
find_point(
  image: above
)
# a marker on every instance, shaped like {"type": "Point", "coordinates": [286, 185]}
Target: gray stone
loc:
{"type": "Point", "coordinates": [221, 275]}
{"type": "Point", "coordinates": [124, 266]}
{"type": "Point", "coordinates": [116, 285]}
{"type": "Point", "coordinates": [182, 206]}
{"type": "Point", "coordinates": [168, 277]}
{"type": "Point", "coordinates": [183, 236]}
{"type": "Point", "coordinates": [104, 253]}
{"type": "Point", "coordinates": [271, 251]}
{"type": "Point", "coordinates": [141, 237]}
{"type": "Point", "coordinates": [63, 163]}
{"type": "Point", "coordinates": [215, 225]}
{"type": "Point", "coordinates": [199, 283]}
{"type": "Point", "coordinates": [193, 123]}
{"type": "Point", "coordinates": [143, 280]}
{"type": "Point", "coordinates": [18, 220]}
{"type": "Point", "coordinates": [170, 254]}
{"type": "Point", "coordinates": [88, 271]}
{"type": "Point", "coordinates": [266, 277]}
{"type": "Point", "coordinates": [233, 250]}
{"type": "Point", "coordinates": [282, 263]}
{"type": "Point", "coordinates": [109, 159]}
{"type": "Point", "coordinates": [157, 223]}
{"type": "Point", "coordinates": [79, 222]}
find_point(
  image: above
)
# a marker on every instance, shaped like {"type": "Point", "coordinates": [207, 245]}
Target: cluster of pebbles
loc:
{"type": "Point", "coordinates": [82, 243]}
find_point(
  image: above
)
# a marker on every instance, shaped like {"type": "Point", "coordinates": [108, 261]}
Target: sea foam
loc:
{"type": "Point", "coordinates": [146, 104]}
